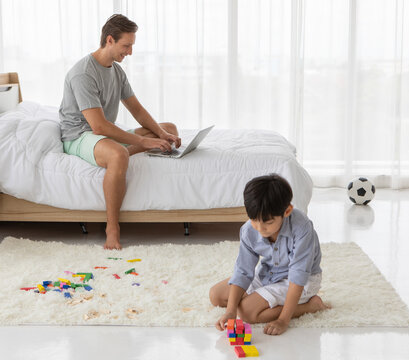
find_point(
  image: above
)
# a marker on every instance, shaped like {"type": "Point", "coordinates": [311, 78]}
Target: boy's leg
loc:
{"type": "Point", "coordinates": [219, 293]}
{"type": "Point", "coordinates": [255, 309]}
{"type": "Point", "coordinates": [114, 157]}
{"type": "Point", "coordinates": [169, 127]}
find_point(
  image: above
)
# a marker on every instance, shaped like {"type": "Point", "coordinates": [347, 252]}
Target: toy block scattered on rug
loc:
{"type": "Point", "coordinates": [62, 285]}
{"type": "Point", "coordinates": [239, 334]}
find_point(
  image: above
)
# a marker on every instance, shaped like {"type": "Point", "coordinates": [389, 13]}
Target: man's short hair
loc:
{"type": "Point", "coordinates": [115, 26]}
{"type": "Point", "coordinates": [267, 196]}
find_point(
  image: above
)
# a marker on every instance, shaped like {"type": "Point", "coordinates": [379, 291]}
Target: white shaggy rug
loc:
{"type": "Point", "coordinates": [172, 285]}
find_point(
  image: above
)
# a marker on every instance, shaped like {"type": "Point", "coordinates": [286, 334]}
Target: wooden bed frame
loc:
{"type": "Point", "coordinates": [13, 209]}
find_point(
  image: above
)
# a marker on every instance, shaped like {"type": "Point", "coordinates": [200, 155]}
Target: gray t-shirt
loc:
{"type": "Point", "coordinates": [90, 85]}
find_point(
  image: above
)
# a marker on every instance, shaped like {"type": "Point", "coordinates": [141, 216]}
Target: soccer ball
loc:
{"type": "Point", "coordinates": [361, 191]}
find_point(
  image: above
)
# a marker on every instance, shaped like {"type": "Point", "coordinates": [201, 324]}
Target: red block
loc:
{"type": "Point", "coordinates": [116, 276]}
{"type": "Point", "coordinates": [28, 288]}
{"type": "Point", "coordinates": [239, 325]}
{"type": "Point", "coordinates": [239, 352]}
{"type": "Point", "coordinates": [240, 341]}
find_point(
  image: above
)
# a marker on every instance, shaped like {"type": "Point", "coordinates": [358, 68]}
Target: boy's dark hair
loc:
{"type": "Point", "coordinates": [267, 196]}
{"type": "Point", "coordinates": [115, 26]}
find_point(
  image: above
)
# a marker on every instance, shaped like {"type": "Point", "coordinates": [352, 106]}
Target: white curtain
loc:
{"type": "Point", "coordinates": [330, 75]}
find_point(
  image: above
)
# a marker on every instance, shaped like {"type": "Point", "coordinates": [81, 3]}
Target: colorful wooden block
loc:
{"type": "Point", "coordinates": [239, 352]}
{"type": "Point", "coordinates": [230, 324]}
{"type": "Point", "coordinates": [65, 281]}
{"type": "Point", "coordinates": [116, 276]}
{"type": "Point", "coordinates": [250, 350]}
{"type": "Point", "coordinates": [133, 260]}
{"type": "Point", "coordinates": [239, 325]}
{"type": "Point", "coordinates": [130, 271]}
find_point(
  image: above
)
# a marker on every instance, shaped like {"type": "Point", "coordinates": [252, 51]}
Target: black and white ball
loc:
{"type": "Point", "coordinates": [361, 191]}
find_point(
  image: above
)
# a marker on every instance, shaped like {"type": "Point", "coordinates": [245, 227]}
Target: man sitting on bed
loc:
{"type": "Point", "coordinates": [92, 91]}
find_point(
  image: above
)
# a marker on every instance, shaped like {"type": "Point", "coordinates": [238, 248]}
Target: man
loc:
{"type": "Point", "coordinates": [92, 91]}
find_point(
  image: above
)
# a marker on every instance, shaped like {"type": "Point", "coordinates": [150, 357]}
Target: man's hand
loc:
{"type": "Point", "coordinates": [172, 139]}
{"type": "Point", "coordinates": [276, 327]}
{"type": "Point", "coordinates": [155, 143]}
{"type": "Point", "coordinates": [220, 324]}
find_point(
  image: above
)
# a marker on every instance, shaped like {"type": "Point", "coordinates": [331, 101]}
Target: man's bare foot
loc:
{"type": "Point", "coordinates": [113, 235]}
{"type": "Point", "coordinates": [316, 304]}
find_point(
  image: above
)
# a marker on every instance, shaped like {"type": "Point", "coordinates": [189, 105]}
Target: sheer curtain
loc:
{"type": "Point", "coordinates": [330, 75]}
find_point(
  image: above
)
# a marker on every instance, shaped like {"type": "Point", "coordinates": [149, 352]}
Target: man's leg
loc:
{"type": "Point", "coordinates": [169, 127]}
{"type": "Point", "coordinates": [114, 157]}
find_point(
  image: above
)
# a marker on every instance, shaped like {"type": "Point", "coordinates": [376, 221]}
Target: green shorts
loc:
{"type": "Point", "coordinates": [83, 146]}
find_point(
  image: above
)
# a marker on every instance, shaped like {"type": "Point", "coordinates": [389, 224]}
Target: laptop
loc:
{"type": "Point", "coordinates": [183, 150]}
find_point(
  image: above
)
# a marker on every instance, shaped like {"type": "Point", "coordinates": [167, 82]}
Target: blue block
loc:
{"type": "Point", "coordinates": [232, 335]}
{"type": "Point", "coordinates": [67, 295]}
{"type": "Point", "coordinates": [57, 290]}
{"type": "Point", "coordinates": [65, 286]}
{"type": "Point", "coordinates": [87, 287]}
{"type": "Point", "coordinates": [45, 283]}
{"type": "Point", "coordinates": [247, 343]}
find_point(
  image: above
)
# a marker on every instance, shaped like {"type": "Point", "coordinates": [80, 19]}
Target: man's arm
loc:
{"type": "Point", "coordinates": [142, 116]}
{"type": "Point", "coordinates": [145, 119]}
{"type": "Point", "coordinates": [101, 126]}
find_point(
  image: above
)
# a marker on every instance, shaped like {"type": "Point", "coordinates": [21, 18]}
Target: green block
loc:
{"type": "Point", "coordinates": [129, 271]}
{"type": "Point", "coordinates": [240, 335]}
{"type": "Point", "coordinates": [87, 276]}
{"type": "Point", "coordinates": [57, 283]}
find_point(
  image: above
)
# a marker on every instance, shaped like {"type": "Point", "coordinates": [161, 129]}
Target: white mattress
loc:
{"type": "Point", "coordinates": [34, 167]}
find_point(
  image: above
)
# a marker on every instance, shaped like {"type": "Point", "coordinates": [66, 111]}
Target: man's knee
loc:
{"type": "Point", "coordinates": [119, 157]}
{"type": "Point", "coordinates": [170, 128]}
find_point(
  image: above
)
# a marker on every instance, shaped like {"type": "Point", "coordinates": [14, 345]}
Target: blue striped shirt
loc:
{"type": "Point", "coordinates": [296, 254]}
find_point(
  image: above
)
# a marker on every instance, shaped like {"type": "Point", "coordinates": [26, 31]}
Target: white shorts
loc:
{"type": "Point", "coordinates": [276, 293]}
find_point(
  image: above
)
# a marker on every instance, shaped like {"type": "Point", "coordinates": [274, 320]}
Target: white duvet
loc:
{"type": "Point", "coordinates": [33, 167]}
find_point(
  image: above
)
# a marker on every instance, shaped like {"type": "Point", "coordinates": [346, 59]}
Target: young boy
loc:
{"type": "Point", "coordinates": [286, 282]}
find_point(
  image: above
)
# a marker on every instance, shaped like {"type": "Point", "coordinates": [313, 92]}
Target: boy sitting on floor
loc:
{"type": "Point", "coordinates": [286, 282]}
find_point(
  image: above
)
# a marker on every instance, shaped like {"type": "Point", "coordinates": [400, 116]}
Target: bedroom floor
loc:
{"type": "Point", "coordinates": [381, 230]}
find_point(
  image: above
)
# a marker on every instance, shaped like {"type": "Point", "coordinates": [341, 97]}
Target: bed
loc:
{"type": "Point", "coordinates": [39, 182]}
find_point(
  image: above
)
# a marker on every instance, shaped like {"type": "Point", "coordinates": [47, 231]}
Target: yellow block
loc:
{"type": "Point", "coordinates": [247, 337]}
{"type": "Point", "coordinates": [40, 287]}
{"type": "Point", "coordinates": [133, 260]}
{"type": "Point", "coordinates": [250, 350]}
{"type": "Point", "coordinates": [68, 282]}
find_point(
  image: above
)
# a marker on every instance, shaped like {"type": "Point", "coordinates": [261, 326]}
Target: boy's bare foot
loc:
{"type": "Point", "coordinates": [113, 235]}
{"type": "Point", "coordinates": [316, 304]}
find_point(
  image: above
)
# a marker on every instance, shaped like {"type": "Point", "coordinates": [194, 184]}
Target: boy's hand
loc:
{"type": "Point", "coordinates": [220, 324]}
{"type": "Point", "coordinates": [276, 327]}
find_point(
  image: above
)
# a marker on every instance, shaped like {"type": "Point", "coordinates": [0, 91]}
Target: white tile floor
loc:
{"type": "Point", "coordinates": [382, 231]}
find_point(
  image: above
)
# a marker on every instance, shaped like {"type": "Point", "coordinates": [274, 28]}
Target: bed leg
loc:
{"type": "Point", "coordinates": [186, 226]}
{"type": "Point", "coordinates": [83, 228]}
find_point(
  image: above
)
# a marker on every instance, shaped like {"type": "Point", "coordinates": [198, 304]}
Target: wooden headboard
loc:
{"type": "Point", "coordinates": [11, 78]}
